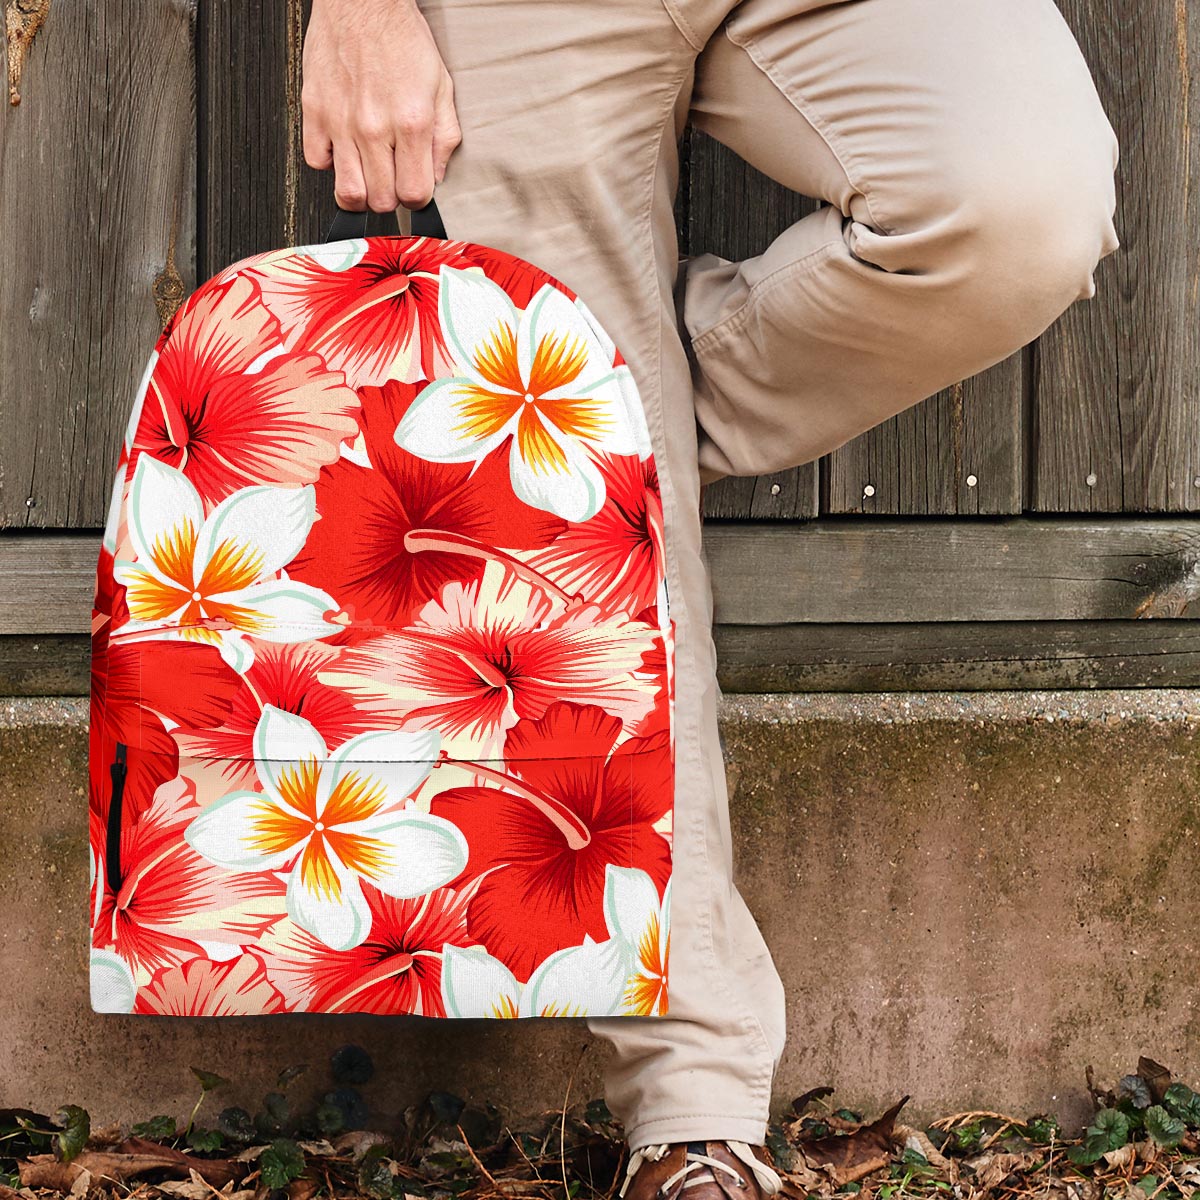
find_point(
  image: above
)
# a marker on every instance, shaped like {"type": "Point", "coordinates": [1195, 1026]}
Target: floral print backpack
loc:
{"type": "Point", "coordinates": [382, 661]}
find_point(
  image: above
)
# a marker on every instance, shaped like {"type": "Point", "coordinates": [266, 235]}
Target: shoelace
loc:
{"type": "Point", "coordinates": [768, 1179]}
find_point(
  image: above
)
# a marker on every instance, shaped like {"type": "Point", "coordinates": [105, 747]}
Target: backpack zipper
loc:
{"type": "Point", "coordinates": [112, 846]}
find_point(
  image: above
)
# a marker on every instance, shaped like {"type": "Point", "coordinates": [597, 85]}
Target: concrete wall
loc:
{"type": "Point", "coordinates": [970, 897]}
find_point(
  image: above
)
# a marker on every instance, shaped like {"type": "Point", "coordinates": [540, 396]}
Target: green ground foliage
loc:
{"type": "Point", "coordinates": [1143, 1143]}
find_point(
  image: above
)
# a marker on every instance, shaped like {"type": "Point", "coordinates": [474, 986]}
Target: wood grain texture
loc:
{"type": "Point", "coordinates": [1014, 569]}
{"type": "Point", "coordinates": [45, 665]}
{"type": "Point", "coordinates": [47, 582]}
{"type": "Point", "coordinates": [244, 134]}
{"type": "Point", "coordinates": [97, 199]}
{"type": "Point", "coordinates": [957, 656]}
{"type": "Point", "coordinates": [959, 453]}
{"type": "Point", "coordinates": [1117, 401]}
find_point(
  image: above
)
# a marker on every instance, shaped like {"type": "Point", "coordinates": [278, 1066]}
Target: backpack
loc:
{"type": "Point", "coordinates": [382, 684]}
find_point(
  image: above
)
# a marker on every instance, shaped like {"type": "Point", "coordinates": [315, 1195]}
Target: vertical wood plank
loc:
{"type": "Point", "coordinates": [97, 204]}
{"type": "Point", "coordinates": [734, 211]}
{"type": "Point", "coordinates": [1117, 402]}
{"type": "Point", "coordinates": [244, 205]}
{"type": "Point", "coordinates": [257, 193]}
{"type": "Point", "coordinates": [958, 453]}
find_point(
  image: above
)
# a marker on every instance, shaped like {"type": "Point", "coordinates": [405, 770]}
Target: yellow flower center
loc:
{"type": "Point", "coordinates": [557, 363]}
{"type": "Point", "coordinates": [230, 569]}
{"type": "Point", "coordinates": [646, 992]}
{"type": "Point", "coordinates": [277, 827]}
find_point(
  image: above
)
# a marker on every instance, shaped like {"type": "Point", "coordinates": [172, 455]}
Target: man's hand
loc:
{"type": "Point", "coordinates": [378, 103]}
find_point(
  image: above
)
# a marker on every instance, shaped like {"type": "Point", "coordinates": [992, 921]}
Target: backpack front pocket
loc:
{"type": "Point", "coordinates": [336, 859]}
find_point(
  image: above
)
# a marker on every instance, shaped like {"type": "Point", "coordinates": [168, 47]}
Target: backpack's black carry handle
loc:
{"type": "Point", "coordinates": [426, 222]}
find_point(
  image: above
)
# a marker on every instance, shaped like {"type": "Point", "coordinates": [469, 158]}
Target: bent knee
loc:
{"type": "Point", "coordinates": [1014, 236]}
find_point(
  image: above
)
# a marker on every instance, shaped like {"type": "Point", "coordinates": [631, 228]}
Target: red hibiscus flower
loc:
{"type": "Point", "coordinates": [374, 320]}
{"type": "Point", "coordinates": [483, 655]}
{"type": "Point", "coordinates": [398, 969]}
{"type": "Point", "coordinates": [615, 559]}
{"type": "Point", "coordinates": [226, 429]}
{"type": "Point", "coordinates": [171, 901]}
{"type": "Point", "coordinates": [200, 988]}
{"type": "Point", "coordinates": [567, 805]}
{"type": "Point", "coordinates": [360, 549]}
{"type": "Point", "coordinates": [283, 675]}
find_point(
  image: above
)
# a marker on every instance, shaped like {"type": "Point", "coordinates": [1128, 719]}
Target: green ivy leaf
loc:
{"type": "Point", "coordinates": [1087, 1152]}
{"type": "Point", "coordinates": [1043, 1130]}
{"type": "Point", "coordinates": [1136, 1089]}
{"type": "Point", "coordinates": [1108, 1131]}
{"type": "Point", "coordinates": [1112, 1126]}
{"type": "Point", "coordinates": [280, 1163]}
{"type": "Point", "coordinates": [209, 1080]}
{"type": "Point", "coordinates": [206, 1141]}
{"type": "Point", "coordinates": [330, 1118]}
{"type": "Point", "coordinates": [75, 1126]}
{"type": "Point", "coordinates": [157, 1129]}
{"type": "Point", "coordinates": [271, 1120]}
{"type": "Point", "coordinates": [375, 1173]}
{"type": "Point", "coordinates": [1165, 1129]}
{"type": "Point", "coordinates": [1180, 1101]}
{"type": "Point", "coordinates": [236, 1125]}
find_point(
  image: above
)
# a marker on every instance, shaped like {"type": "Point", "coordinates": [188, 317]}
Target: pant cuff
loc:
{"type": "Point", "coordinates": [692, 1127]}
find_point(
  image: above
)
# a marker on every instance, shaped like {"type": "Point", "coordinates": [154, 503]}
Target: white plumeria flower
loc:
{"type": "Point", "coordinates": [625, 975]}
{"type": "Point", "coordinates": [218, 578]}
{"type": "Point", "coordinates": [328, 821]}
{"type": "Point", "coordinates": [637, 919]}
{"type": "Point", "coordinates": [579, 981]}
{"type": "Point", "coordinates": [539, 374]}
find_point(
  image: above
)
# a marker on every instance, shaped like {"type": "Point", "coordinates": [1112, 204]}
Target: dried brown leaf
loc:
{"type": "Point", "coordinates": [849, 1157]}
{"type": "Point", "coordinates": [193, 1188]}
{"type": "Point", "coordinates": [356, 1142]}
{"type": "Point", "coordinates": [1157, 1077]}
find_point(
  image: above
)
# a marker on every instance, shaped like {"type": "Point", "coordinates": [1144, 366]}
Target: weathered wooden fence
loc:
{"type": "Point", "coordinates": [1015, 530]}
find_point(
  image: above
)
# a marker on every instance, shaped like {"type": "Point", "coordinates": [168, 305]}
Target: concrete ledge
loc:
{"type": "Point", "coordinates": [970, 896]}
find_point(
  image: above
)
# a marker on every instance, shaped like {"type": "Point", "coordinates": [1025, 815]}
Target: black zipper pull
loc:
{"type": "Point", "coordinates": [112, 846]}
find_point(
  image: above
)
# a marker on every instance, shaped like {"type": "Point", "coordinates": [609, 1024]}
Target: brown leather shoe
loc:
{"type": "Point", "coordinates": [721, 1170]}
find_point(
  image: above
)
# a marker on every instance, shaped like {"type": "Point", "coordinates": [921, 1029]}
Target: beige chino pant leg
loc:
{"type": "Point", "coordinates": [968, 167]}
{"type": "Point", "coordinates": [968, 170]}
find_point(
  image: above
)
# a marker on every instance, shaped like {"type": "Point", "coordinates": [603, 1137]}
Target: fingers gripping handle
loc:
{"type": "Point", "coordinates": [426, 222]}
